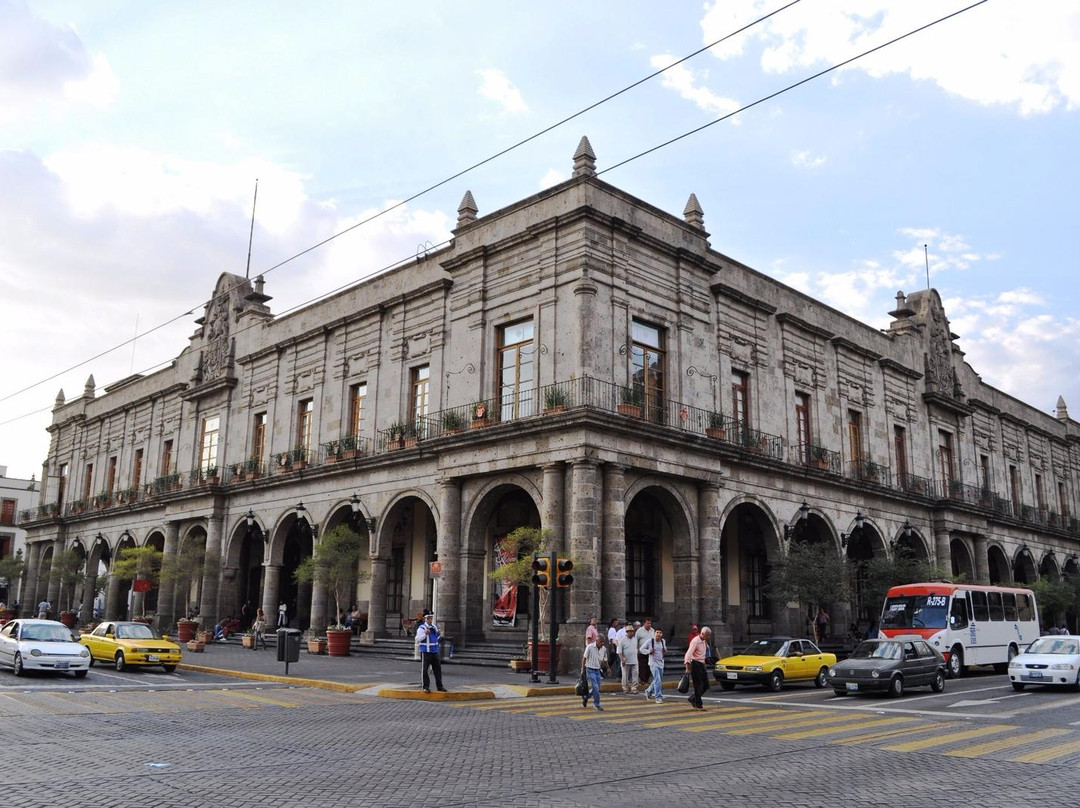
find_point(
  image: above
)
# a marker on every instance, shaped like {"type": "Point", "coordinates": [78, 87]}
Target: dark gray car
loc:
{"type": "Point", "coordinates": [889, 666]}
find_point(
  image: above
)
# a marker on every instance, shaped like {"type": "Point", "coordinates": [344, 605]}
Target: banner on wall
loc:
{"type": "Point", "coordinates": [505, 611]}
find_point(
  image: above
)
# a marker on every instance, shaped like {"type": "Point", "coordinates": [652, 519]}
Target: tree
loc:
{"type": "Point", "coordinates": [11, 570]}
{"type": "Point", "coordinates": [138, 562]}
{"type": "Point", "coordinates": [185, 567]}
{"type": "Point", "coordinates": [905, 568]}
{"type": "Point", "coordinates": [520, 544]}
{"type": "Point", "coordinates": [335, 563]}
{"type": "Point", "coordinates": [811, 574]}
{"type": "Point", "coordinates": [69, 571]}
{"type": "Point", "coordinates": [1055, 598]}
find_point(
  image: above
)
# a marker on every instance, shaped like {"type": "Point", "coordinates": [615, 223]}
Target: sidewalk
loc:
{"type": "Point", "coordinates": [375, 675]}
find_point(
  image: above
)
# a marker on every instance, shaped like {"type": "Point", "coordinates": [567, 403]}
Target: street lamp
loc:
{"type": "Point", "coordinates": [860, 520]}
{"type": "Point", "coordinates": [804, 513]}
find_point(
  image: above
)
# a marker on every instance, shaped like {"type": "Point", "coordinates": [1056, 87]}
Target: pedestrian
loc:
{"type": "Point", "coordinates": [258, 628]}
{"type": "Point", "coordinates": [613, 647]}
{"type": "Point", "coordinates": [694, 662]}
{"type": "Point", "coordinates": [657, 648]}
{"type": "Point", "coordinates": [428, 639]}
{"type": "Point", "coordinates": [628, 656]}
{"type": "Point", "coordinates": [245, 613]}
{"type": "Point", "coordinates": [43, 609]}
{"type": "Point", "coordinates": [821, 624]}
{"type": "Point", "coordinates": [644, 635]}
{"type": "Point", "coordinates": [593, 662]}
{"type": "Point", "coordinates": [591, 631]}
{"type": "Point", "coordinates": [694, 631]}
{"type": "Point", "coordinates": [282, 615]}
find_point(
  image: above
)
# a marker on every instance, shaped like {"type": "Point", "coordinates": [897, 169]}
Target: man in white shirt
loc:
{"type": "Point", "coordinates": [628, 652]}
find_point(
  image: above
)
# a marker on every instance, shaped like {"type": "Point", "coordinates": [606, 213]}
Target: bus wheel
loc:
{"type": "Point", "coordinates": [1003, 667]}
{"type": "Point", "coordinates": [956, 662]}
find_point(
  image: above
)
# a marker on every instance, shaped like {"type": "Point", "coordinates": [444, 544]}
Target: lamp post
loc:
{"type": "Point", "coordinates": [860, 520]}
{"type": "Point", "coordinates": [791, 530]}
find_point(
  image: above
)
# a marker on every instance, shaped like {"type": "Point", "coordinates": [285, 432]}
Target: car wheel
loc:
{"type": "Point", "coordinates": [956, 663]}
{"type": "Point", "coordinates": [169, 668]}
{"type": "Point", "coordinates": [727, 686]}
{"type": "Point", "coordinates": [80, 674]}
{"type": "Point", "coordinates": [896, 686]}
{"type": "Point", "coordinates": [776, 682]}
{"type": "Point", "coordinates": [937, 684]}
{"type": "Point", "coordinates": [17, 665]}
{"type": "Point", "coordinates": [1018, 685]}
{"type": "Point", "coordinates": [839, 692]}
{"type": "Point", "coordinates": [822, 678]}
{"type": "Point", "coordinates": [121, 663]}
{"type": "Point", "coordinates": [91, 660]}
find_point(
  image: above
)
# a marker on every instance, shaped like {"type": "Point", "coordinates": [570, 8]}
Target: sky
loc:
{"type": "Point", "coordinates": [132, 135]}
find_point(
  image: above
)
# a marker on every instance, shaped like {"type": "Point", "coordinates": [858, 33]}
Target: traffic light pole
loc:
{"type": "Point", "coordinates": [534, 675]}
{"type": "Point", "coordinates": [553, 627]}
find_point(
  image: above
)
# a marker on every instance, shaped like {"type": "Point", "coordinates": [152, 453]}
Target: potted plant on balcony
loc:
{"type": "Point", "coordinates": [335, 564]}
{"type": "Point", "coordinates": [818, 457]}
{"type": "Point", "coordinates": [396, 436]}
{"type": "Point", "coordinates": [452, 422]}
{"type": "Point", "coordinates": [410, 434]}
{"type": "Point", "coordinates": [716, 429]}
{"type": "Point", "coordinates": [554, 401]}
{"type": "Point", "coordinates": [630, 399]}
{"type": "Point", "coordinates": [480, 415]}
{"type": "Point", "coordinates": [334, 452]}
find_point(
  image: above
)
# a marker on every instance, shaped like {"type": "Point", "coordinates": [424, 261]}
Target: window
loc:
{"type": "Point", "coordinates": [357, 393]}
{"type": "Point", "coordinates": [258, 436]}
{"type": "Point", "coordinates": [209, 451]}
{"type": "Point", "coordinates": [647, 367]}
{"type": "Point", "coordinates": [517, 372]}
{"type": "Point", "coordinates": [802, 425]}
{"type": "Point", "coordinates": [88, 481]}
{"type": "Point", "coordinates": [855, 441]}
{"type": "Point", "coordinates": [756, 601]}
{"type": "Point", "coordinates": [740, 398]}
{"type": "Point", "coordinates": [305, 412]}
{"type": "Point", "coordinates": [1040, 499]}
{"type": "Point", "coordinates": [1063, 500]}
{"type": "Point", "coordinates": [1023, 607]}
{"type": "Point", "coordinates": [62, 485]}
{"type": "Point", "coordinates": [7, 512]}
{"type": "Point", "coordinates": [136, 471]}
{"type": "Point", "coordinates": [900, 450]}
{"type": "Point", "coordinates": [395, 581]}
{"type": "Point", "coordinates": [997, 609]}
{"type": "Point", "coordinates": [1009, 601]}
{"type": "Point", "coordinates": [945, 456]}
{"type": "Point", "coordinates": [166, 458]}
{"type": "Point", "coordinates": [1014, 489]}
{"type": "Point", "coordinates": [958, 616]}
{"type": "Point", "coordinates": [110, 476]}
{"type": "Point", "coordinates": [418, 392]}
{"type": "Point", "coordinates": [980, 611]}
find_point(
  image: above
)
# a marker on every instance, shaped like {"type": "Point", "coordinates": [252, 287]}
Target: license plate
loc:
{"type": "Point", "coordinates": [1035, 674]}
{"type": "Point", "coordinates": [151, 657]}
{"type": "Point", "coordinates": [732, 675]}
{"type": "Point", "coordinates": [852, 685]}
{"type": "Point", "coordinates": [61, 666]}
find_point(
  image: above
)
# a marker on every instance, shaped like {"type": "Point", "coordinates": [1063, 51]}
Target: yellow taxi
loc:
{"type": "Point", "coordinates": [773, 661]}
{"type": "Point", "coordinates": [123, 644]}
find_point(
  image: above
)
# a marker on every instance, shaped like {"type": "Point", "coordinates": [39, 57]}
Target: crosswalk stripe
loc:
{"type": "Point", "coordinates": [886, 734]}
{"type": "Point", "coordinates": [681, 710]}
{"type": "Point", "coordinates": [814, 721]}
{"type": "Point", "coordinates": [1005, 743]}
{"type": "Point", "coordinates": [941, 740]}
{"type": "Point", "coordinates": [822, 731]}
{"type": "Point", "coordinates": [768, 718]}
{"type": "Point", "coordinates": [1048, 754]}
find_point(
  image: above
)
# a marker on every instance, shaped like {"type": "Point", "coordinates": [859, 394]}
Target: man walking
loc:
{"type": "Point", "coordinates": [593, 663]}
{"type": "Point", "coordinates": [427, 638]}
{"type": "Point", "coordinates": [694, 661]}
{"type": "Point", "coordinates": [613, 647]}
{"type": "Point", "coordinates": [657, 647]}
{"type": "Point", "coordinates": [43, 609]}
{"type": "Point", "coordinates": [628, 656]}
{"type": "Point", "coordinates": [644, 638]}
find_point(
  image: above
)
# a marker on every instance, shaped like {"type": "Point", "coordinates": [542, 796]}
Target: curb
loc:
{"type": "Point", "coordinates": [321, 684]}
{"type": "Point", "coordinates": [420, 695]}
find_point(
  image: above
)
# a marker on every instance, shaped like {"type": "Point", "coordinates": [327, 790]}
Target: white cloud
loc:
{"type": "Point", "coordinates": [683, 82]}
{"type": "Point", "coordinates": [1022, 296]}
{"type": "Point", "coordinates": [499, 88]}
{"type": "Point", "coordinates": [804, 159]}
{"type": "Point", "coordinates": [1010, 54]}
{"type": "Point", "coordinates": [551, 178]}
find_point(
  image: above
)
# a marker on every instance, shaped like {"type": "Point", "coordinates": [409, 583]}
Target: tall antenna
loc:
{"type": "Point", "coordinates": [247, 271]}
{"type": "Point", "coordinates": [926, 258]}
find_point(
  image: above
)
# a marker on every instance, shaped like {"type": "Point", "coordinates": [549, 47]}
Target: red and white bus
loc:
{"type": "Point", "coordinates": [970, 625]}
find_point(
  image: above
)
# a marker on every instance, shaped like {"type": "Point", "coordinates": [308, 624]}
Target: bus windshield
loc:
{"type": "Point", "coordinates": [915, 611]}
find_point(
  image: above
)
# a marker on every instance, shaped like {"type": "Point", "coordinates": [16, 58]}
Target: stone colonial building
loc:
{"type": "Point", "coordinates": [16, 495]}
{"type": "Point", "coordinates": [580, 361]}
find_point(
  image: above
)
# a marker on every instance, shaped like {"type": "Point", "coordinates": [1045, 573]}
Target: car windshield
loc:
{"type": "Point", "coordinates": [915, 611]}
{"type": "Point", "coordinates": [869, 649]}
{"type": "Point", "coordinates": [1053, 645]}
{"type": "Point", "coordinates": [764, 648]}
{"type": "Point", "coordinates": [46, 634]}
{"type": "Point", "coordinates": [135, 631]}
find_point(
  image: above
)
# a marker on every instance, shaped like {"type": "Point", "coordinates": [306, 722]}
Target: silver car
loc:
{"type": "Point", "coordinates": [42, 645]}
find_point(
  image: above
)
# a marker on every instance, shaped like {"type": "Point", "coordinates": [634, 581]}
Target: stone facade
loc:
{"type": "Point", "coordinates": [579, 361]}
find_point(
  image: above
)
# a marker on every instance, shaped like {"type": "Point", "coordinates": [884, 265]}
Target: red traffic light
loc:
{"type": "Point", "coordinates": [563, 567]}
{"type": "Point", "coordinates": [542, 572]}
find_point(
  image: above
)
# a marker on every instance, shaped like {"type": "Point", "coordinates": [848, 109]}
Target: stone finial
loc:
{"type": "Point", "coordinates": [91, 386]}
{"type": "Point", "coordinates": [466, 212]}
{"type": "Point", "coordinates": [694, 215]}
{"type": "Point", "coordinates": [1062, 410]}
{"type": "Point", "coordinates": [584, 159]}
{"type": "Point", "coordinates": [60, 397]}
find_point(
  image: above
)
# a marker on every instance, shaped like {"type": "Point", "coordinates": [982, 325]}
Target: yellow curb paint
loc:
{"type": "Point", "coordinates": [238, 694]}
{"type": "Point", "coordinates": [1048, 754]}
{"type": "Point", "coordinates": [1006, 743]}
{"type": "Point", "coordinates": [340, 687]}
{"type": "Point", "coordinates": [819, 733]}
{"type": "Point", "coordinates": [941, 740]}
{"type": "Point", "coordinates": [419, 695]}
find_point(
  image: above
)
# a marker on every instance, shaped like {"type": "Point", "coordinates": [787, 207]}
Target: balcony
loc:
{"type": "Point", "coordinates": [869, 472]}
{"type": "Point", "coordinates": [816, 457]}
{"type": "Point", "coordinates": [347, 447]}
{"type": "Point", "coordinates": [292, 460]}
{"type": "Point", "coordinates": [913, 484]}
{"type": "Point", "coordinates": [250, 469]}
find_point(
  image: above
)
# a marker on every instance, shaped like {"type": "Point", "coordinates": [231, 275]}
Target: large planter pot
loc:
{"type": "Point", "coordinates": [196, 646]}
{"type": "Point", "coordinates": [520, 665]}
{"type": "Point", "coordinates": [6, 614]}
{"type": "Point", "coordinates": [248, 640]}
{"type": "Point", "coordinates": [204, 637]}
{"type": "Point", "coordinates": [338, 642]}
{"type": "Point", "coordinates": [543, 655]}
{"type": "Point", "coordinates": [631, 410]}
{"type": "Point", "coordinates": [316, 646]}
{"type": "Point", "coordinates": [69, 619]}
{"type": "Point", "coordinates": [185, 630]}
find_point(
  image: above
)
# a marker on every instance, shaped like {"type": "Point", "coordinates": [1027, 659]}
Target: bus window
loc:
{"type": "Point", "coordinates": [1009, 600]}
{"type": "Point", "coordinates": [980, 611]}
{"type": "Point", "coordinates": [914, 611]}
{"type": "Point", "coordinates": [958, 617]}
{"type": "Point", "coordinates": [1023, 607]}
{"type": "Point", "coordinates": [996, 610]}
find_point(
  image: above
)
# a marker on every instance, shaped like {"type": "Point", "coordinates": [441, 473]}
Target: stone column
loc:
{"type": "Point", "coordinates": [584, 545]}
{"type": "Point", "coordinates": [208, 605]}
{"type": "Point", "coordinates": [711, 581]}
{"type": "Point", "coordinates": [271, 581]}
{"type": "Point", "coordinates": [613, 544]}
{"type": "Point", "coordinates": [474, 584]}
{"type": "Point", "coordinates": [86, 608]}
{"type": "Point", "coordinates": [551, 510]}
{"type": "Point", "coordinates": [448, 548]}
{"type": "Point", "coordinates": [942, 550]}
{"type": "Point", "coordinates": [30, 597]}
{"type": "Point", "coordinates": [380, 570]}
{"type": "Point", "coordinates": [54, 583]}
{"type": "Point", "coordinates": [113, 606]}
{"type": "Point", "coordinates": [319, 601]}
{"type": "Point", "coordinates": [982, 560]}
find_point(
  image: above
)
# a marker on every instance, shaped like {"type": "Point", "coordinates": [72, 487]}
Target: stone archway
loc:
{"type": "Point", "coordinates": [98, 565]}
{"type": "Point", "coordinates": [749, 546]}
{"type": "Point", "coordinates": [292, 541]}
{"type": "Point", "coordinates": [1023, 567]}
{"type": "Point", "coordinates": [997, 566]}
{"type": "Point", "coordinates": [962, 563]}
{"type": "Point", "coordinates": [242, 570]}
{"type": "Point", "coordinates": [191, 563]}
{"type": "Point", "coordinates": [863, 544]}
{"type": "Point", "coordinates": [323, 602]}
{"type": "Point", "coordinates": [1048, 567]}
{"type": "Point", "coordinates": [660, 565]}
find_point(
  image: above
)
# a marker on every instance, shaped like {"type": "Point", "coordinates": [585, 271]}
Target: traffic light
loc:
{"type": "Point", "coordinates": [563, 568]}
{"type": "Point", "coordinates": [542, 572]}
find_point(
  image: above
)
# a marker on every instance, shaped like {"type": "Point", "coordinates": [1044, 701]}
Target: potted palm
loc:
{"type": "Point", "coordinates": [554, 400]}
{"type": "Point", "coordinates": [396, 436]}
{"type": "Point", "coordinates": [716, 429]}
{"type": "Point", "coordinates": [629, 401]}
{"type": "Point", "coordinates": [452, 422]}
{"type": "Point", "coordinates": [335, 564]}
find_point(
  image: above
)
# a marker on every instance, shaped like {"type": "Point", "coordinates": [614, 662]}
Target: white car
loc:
{"type": "Point", "coordinates": [42, 645]}
{"type": "Point", "coordinates": [1052, 660]}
